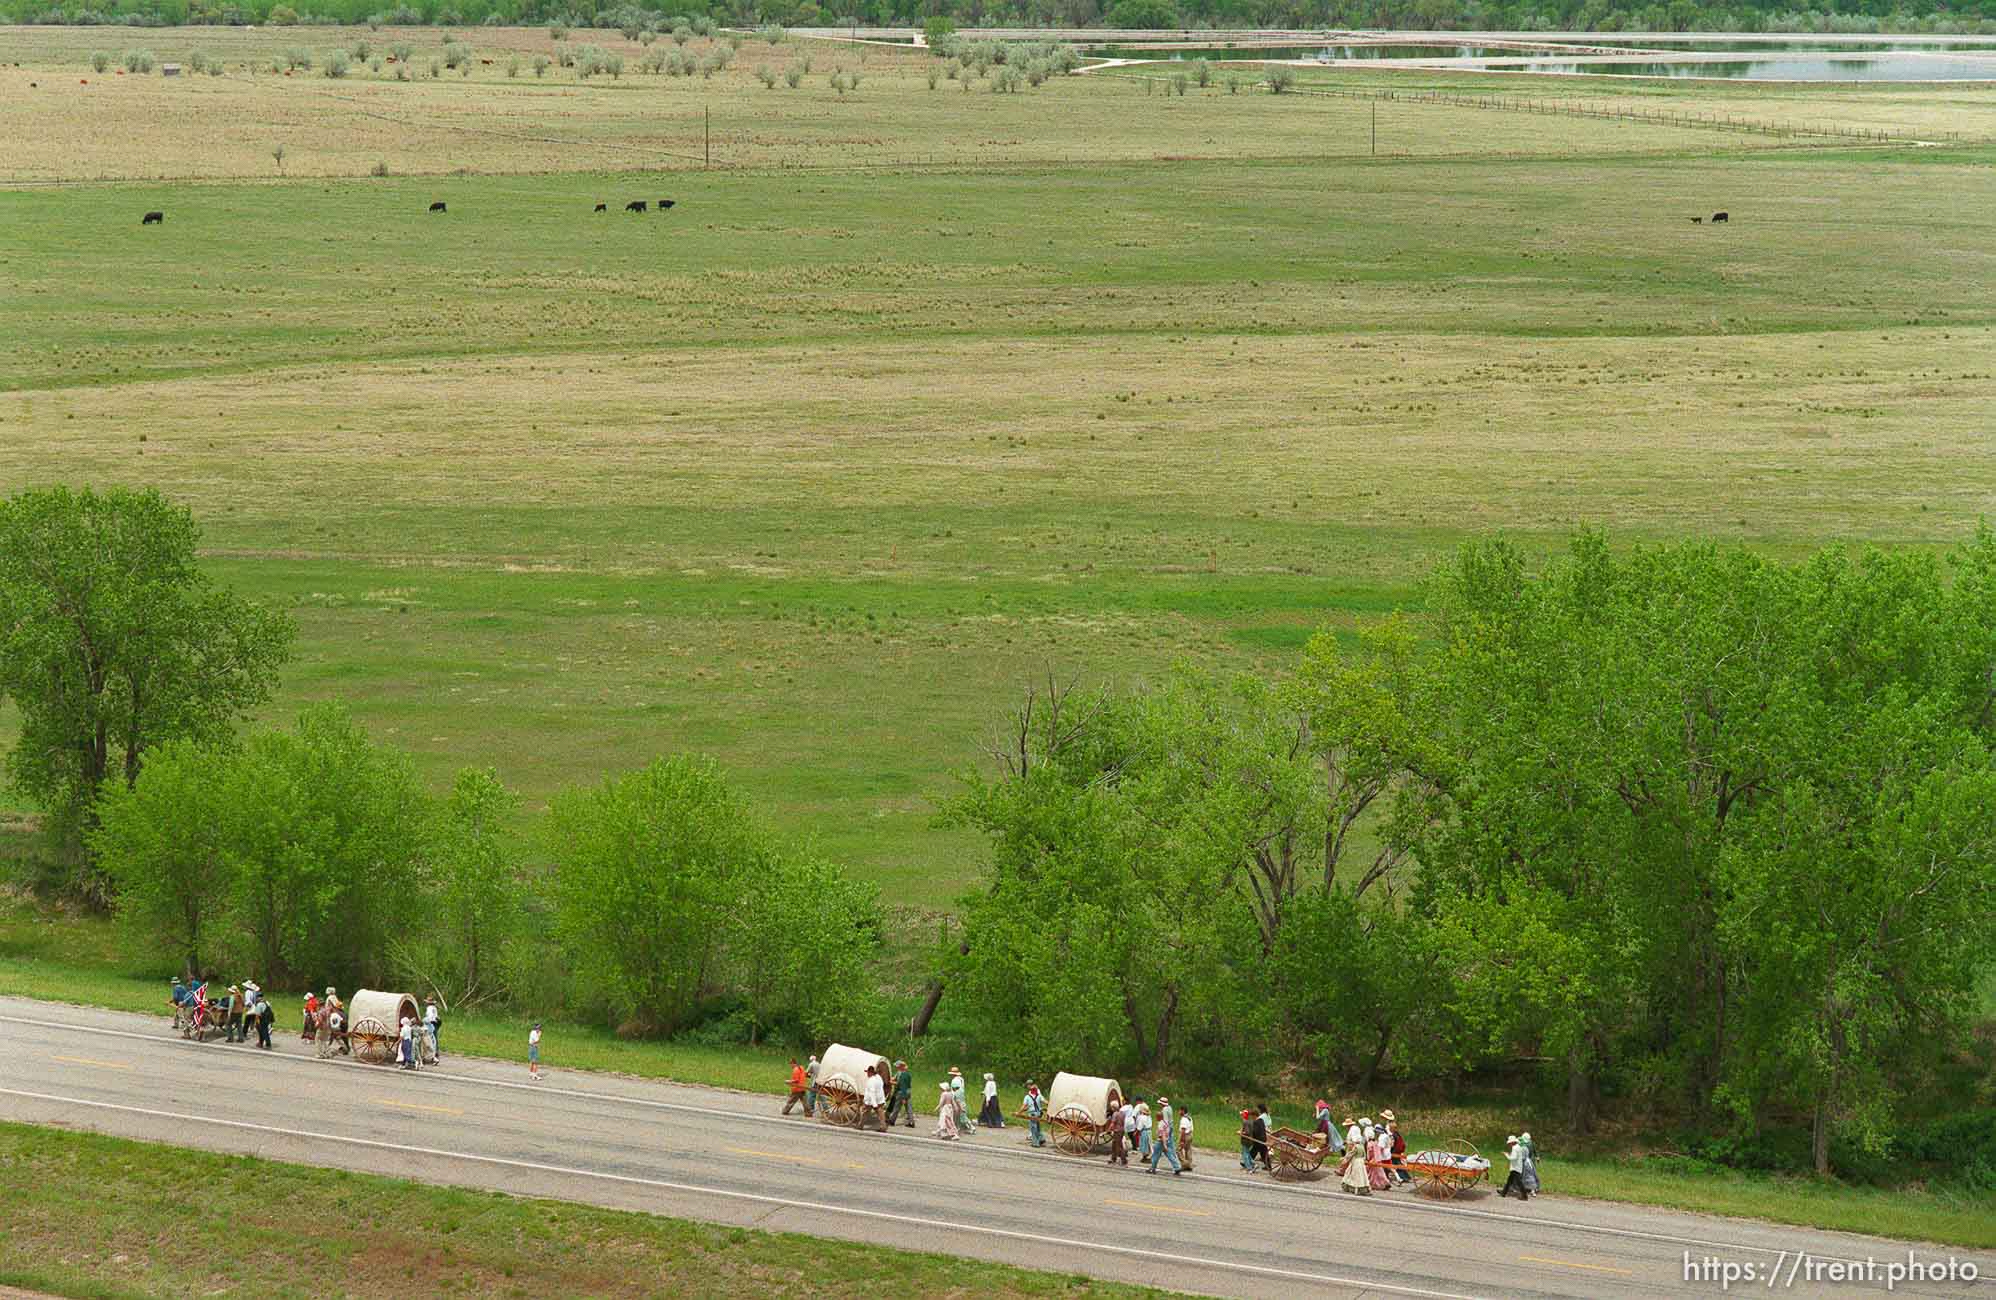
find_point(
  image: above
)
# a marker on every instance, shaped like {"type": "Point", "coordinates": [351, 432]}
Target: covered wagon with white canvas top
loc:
{"type": "Point", "coordinates": [842, 1082]}
{"type": "Point", "coordinates": [1080, 1111]}
{"type": "Point", "coordinates": [374, 1024]}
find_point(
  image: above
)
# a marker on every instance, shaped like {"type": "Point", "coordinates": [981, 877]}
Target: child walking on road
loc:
{"type": "Point", "coordinates": [534, 1051]}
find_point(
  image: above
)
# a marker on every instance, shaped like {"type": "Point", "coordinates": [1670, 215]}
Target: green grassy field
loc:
{"type": "Point", "coordinates": [815, 471]}
{"type": "Point", "coordinates": [164, 1221]}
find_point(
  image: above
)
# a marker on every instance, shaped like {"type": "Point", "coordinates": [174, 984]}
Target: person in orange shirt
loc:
{"type": "Point", "coordinates": [799, 1088]}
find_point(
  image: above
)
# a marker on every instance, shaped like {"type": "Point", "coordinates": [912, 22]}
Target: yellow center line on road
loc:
{"type": "Point", "coordinates": [785, 1155]}
{"type": "Point", "coordinates": [1567, 1263]}
{"type": "Point", "coordinates": [1162, 1209]}
{"type": "Point", "coordinates": [84, 1060]}
{"type": "Point", "coordinates": [410, 1105]}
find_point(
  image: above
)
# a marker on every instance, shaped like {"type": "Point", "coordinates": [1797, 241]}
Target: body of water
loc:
{"type": "Point", "coordinates": [1890, 67]}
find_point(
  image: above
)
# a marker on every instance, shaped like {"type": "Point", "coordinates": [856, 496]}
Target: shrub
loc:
{"type": "Point", "coordinates": [380, 168]}
{"type": "Point", "coordinates": [1179, 81]}
{"type": "Point", "coordinates": [374, 22]}
{"type": "Point", "coordinates": [703, 26]}
{"type": "Point", "coordinates": [337, 64]}
{"type": "Point", "coordinates": [805, 63]}
{"type": "Point", "coordinates": [1202, 72]}
{"type": "Point", "coordinates": [1280, 79]}
{"type": "Point", "coordinates": [772, 34]}
{"type": "Point", "coordinates": [138, 60]}
{"type": "Point", "coordinates": [937, 31]}
{"type": "Point", "coordinates": [283, 16]}
{"type": "Point", "coordinates": [935, 75]}
{"type": "Point", "coordinates": [631, 31]}
{"type": "Point", "coordinates": [734, 40]}
{"type": "Point", "coordinates": [793, 76]}
{"type": "Point", "coordinates": [455, 55]}
{"type": "Point", "coordinates": [541, 62]}
{"type": "Point", "coordinates": [767, 76]}
{"type": "Point", "coordinates": [436, 69]}
{"type": "Point", "coordinates": [297, 56]}
{"type": "Point", "coordinates": [1233, 83]}
{"type": "Point", "coordinates": [614, 65]}
{"type": "Point", "coordinates": [215, 68]}
{"type": "Point", "coordinates": [838, 81]}
{"type": "Point", "coordinates": [402, 51]}
{"type": "Point", "coordinates": [681, 34]}
{"type": "Point", "coordinates": [374, 65]}
{"type": "Point", "coordinates": [100, 61]}
{"type": "Point", "coordinates": [646, 37]}
{"type": "Point", "coordinates": [852, 79]}
{"type": "Point", "coordinates": [197, 61]}
{"type": "Point", "coordinates": [1036, 72]}
{"type": "Point", "coordinates": [360, 50]}
{"type": "Point", "coordinates": [558, 31]}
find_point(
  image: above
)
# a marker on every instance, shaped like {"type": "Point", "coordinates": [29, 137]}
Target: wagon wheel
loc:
{"type": "Point", "coordinates": [837, 1104]}
{"type": "Point", "coordinates": [1073, 1131]}
{"type": "Point", "coordinates": [370, 1040]}
{"type": "Point", "coordinates": [1297, 1161]}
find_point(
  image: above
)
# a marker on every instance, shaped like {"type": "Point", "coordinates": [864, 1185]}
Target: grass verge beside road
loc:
{"type": "Point", "coordinates": [98, 1216]}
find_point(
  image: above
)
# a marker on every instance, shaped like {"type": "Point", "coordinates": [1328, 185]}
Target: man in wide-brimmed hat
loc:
{"type": "Point", "coordinates": [903, 1101]}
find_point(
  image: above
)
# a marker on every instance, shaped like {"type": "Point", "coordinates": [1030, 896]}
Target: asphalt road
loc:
{"type": "Point", "coordinates": [731, 1158]}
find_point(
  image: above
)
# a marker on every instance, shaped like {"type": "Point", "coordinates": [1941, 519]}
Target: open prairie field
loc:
{"type": "Point", "coordinates": [924, 394]}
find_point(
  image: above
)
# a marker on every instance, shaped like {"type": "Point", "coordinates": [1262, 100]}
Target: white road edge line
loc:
{"type": "Point", "coordinates": [1357, 1204]}
{"type": "Point", "coordinates": [779, 1201]}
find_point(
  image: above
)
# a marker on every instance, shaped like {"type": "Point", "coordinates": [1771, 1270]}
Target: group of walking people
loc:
{"type": "Point", "coordinates": [1369, 1156]}
{"type": "Point", "coordinates": [239, 1011]}
{"type": "Point", "coordinates": [418, 1039]}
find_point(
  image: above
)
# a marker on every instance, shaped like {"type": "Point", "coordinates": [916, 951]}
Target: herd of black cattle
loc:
{"type": "Point", "coordinates": [635, 205]}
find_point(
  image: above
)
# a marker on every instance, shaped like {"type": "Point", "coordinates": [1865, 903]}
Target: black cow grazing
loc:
{"type": "Point", "coordinates": [152, 218]}
{"type": "Point", "coordinates": [1697, 221]}
{"type": "Point", "coordinates": [663, 204]}
{"type": "Point", "coordinates": [602, 207]}
{"type": "Point", "coordinates": [635, 205]}
{"type": "Point", "coordinates": [438, 207]}
{"type": "Point", "coordinates": [1717, 217]}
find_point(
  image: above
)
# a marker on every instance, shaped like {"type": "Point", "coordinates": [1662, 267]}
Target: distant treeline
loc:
{"type": "Point", "coordinates": [1838, 16]}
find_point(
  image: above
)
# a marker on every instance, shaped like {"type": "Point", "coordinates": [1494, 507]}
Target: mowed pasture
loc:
{"type": "Point", "coordinates": [816, 471]}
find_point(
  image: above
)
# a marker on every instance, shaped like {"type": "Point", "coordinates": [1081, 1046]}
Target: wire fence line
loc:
{"type": "Point", "coordinates": [1606, 112]}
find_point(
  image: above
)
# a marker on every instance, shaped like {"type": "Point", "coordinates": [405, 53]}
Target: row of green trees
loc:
{"type": "Point", "coordinates": [1684, 823]}
{"type": "Point", "coordinates": [1306, 15]}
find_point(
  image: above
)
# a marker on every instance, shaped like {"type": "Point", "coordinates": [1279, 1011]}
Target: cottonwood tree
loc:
{"type": "Point", "coordinates": [473, 902]}
{"type": "Point", "coordinates": [112, 641]}
{"type": "Point", "coordinates": [163, 842]}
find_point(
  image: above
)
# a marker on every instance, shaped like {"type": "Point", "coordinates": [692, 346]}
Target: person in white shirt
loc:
{"type": "Point", "coordinates": [873, 1096]}
{"type": "Point", "coordinates": [1185, 1139]}
{"type": "Point", "coordinates": [1143, 1131]}
{"type": "Point", "coordinates": [534, 1052]}
{"type": "Point", "coordinates": [408, 1047]}
{"type": "Point", "coordinates": [433, 1023]}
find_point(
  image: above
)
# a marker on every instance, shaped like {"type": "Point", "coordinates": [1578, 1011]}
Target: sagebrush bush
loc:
{"type": "Point", "coordinates": [1280, 79]}
{"type": "Point", "coordinates": [402, 51]}
{"type": "Point", "coordinates": [100, 61]}
{"type": "Point", "coordinates": [297, 56]}
{"type": "Point", "coordinates": [771, 33]}
{"type": "Point", "coordinates": [793, 76]}
{"type": "Point", "coordinates": [380, 167]}
{"type": "Point", "coordinates": [1179, 81]}
{"type": "Point", "coordinates": [360, 50]}
{"type": "Point", "coordinates": [138, 60]}
{"type": "Point", "coordinates": [614, 65]}
{"type": "Point", "coordinates": [935, 75]}
{"type": "Point", "coordinates": [1202, 72]}
{"type": "Point", "coordinates": [513, 66]}
{"type": "Point", "coordinates": [337, 64]}
{"type": "Point", "coordinates": [558, 31]}
{"type": "Point", "coordinates": [1006, 80]}
{"type": "Point", "coordinates": [455, 55]}
{"type": "Point", "coordinates": [436, 69]}
{"type": "Point", "coordinates": [215, 68]}
{"type": "Point", "coordinates": [541, 62]}
{"type": "Point", "coordinates": [283, 16]}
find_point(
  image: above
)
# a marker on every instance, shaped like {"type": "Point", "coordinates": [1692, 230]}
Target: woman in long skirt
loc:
{"type": "Point", "coordinates": [1375, 1159]}
{"type": "Point", "coordinates": [991, 1116]}
{"type": "Point", "coordinates": [1352, 1171]}
{"type": "Point", "coordinates": [946, 1115]}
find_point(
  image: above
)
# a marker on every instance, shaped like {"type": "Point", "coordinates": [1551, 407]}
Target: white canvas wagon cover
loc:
{"type": "Point", "coordinates": [846, 1066]}
{"type": "Point", "coordinates": [1088, 1093]}
{"type": "Point", "coordinates": [388, 1008]}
